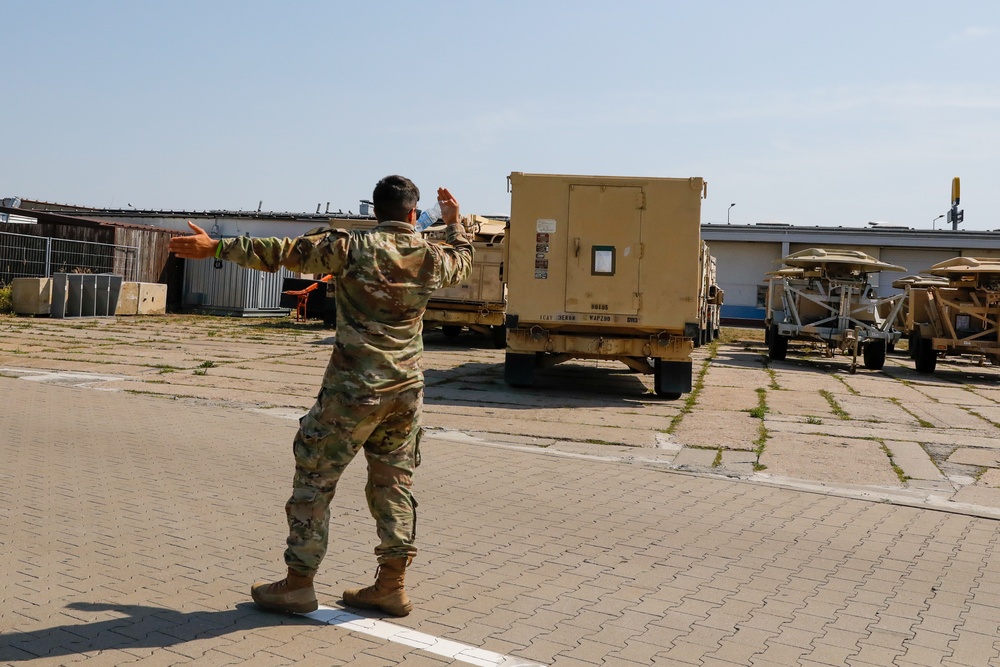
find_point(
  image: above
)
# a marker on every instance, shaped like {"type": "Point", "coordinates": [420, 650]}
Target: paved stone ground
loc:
{"type": "Point", "coordinates": [583, 522]}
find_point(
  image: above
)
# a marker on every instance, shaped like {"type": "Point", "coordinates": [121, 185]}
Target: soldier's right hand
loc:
{"type": "Point", "coordinates": [194, 246]}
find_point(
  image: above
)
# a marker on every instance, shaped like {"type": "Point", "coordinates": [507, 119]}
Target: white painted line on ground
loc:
{"type": "Point", "coordinates": [74, 378]}
{"type": "Point", "coordinates": [394, 633]}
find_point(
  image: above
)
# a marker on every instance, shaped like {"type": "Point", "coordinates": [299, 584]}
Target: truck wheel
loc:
{"type": "Point", "coordinates": [671, 378]}
{"type": "Point", "coordinates": [777, 345]}
{"type": "Point", "coordinates": [451, 330]}
{"type": "Point", "coordinates": [874, 354]}
{"type": "Point", "coordinates": [519, 369]}
{"type": "Point", "coordinates": [330, 313]}
{"type": "Point", "coordinates": [498, 334]}
{"type": "Point", "coordinates": [925, 356]}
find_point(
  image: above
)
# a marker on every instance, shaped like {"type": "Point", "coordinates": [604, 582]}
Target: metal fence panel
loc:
{"type": "Point", "coordinates": [22, 256]}
{"type": "Point", "coordinates": [27, 256]}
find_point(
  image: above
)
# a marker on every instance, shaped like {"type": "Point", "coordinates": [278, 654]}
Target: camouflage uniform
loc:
{"type": "Point", "coordinates": [373, 387]}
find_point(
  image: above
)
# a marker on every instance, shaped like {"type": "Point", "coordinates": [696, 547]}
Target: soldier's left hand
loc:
{"type": "Point", "coordinates": [449, 207]}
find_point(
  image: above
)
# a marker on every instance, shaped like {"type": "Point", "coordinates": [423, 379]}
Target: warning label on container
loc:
{"type": "Point", "coordinates": [545, 226]}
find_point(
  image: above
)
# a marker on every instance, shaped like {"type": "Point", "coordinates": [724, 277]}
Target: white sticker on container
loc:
{"type": "Point", "coordinates": [545, 226]}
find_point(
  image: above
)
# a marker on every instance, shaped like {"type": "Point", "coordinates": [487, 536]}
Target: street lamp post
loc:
{"type": "Point", "coordinates": [934, 221]}
{"type": "Point", "coordinates": [728, 210]}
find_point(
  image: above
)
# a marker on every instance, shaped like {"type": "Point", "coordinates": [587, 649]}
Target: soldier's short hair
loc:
{"type": "Point", "coordinates": [394, 197]}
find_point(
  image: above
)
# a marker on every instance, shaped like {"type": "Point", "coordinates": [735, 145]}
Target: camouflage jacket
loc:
{"type": "Point", "coordinates": [384, 278]}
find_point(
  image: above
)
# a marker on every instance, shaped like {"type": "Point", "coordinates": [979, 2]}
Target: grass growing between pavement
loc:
{"type": "Point", "coordinates": [923, 423]}
{"type": "Point", "coordinates": [834, 405]}
{"type": "Point", "coordinates": [761, 442]}
{"type": "Point", "coordinates": [903, 477]}
{"type": "Point", "coordinates": [692, 398]}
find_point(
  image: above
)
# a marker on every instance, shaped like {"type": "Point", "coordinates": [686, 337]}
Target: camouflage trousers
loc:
{"type": "Point", "coordinates": [330, 435]}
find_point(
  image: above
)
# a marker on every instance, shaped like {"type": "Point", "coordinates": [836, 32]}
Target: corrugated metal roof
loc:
{"type": "Point", "coordinates": [86, 221]}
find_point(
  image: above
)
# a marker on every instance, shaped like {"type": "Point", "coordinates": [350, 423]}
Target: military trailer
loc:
{"type": "Point", "coordinates": [710, 297]}
{"type": "Point", "coordinates": [960, 317]}
{"type": "Point", "coordinates": [478, 303]}
{"type": "Point", "coordinates": [826, 297]}
{"type": "Point", "coordinates": [604, 268]}
{"type": "Point", "coordinates": [904, 322]}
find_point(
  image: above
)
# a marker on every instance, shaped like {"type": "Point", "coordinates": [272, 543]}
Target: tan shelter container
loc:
{"type": "Point", "coordinates": [602, 267]}
{"type": "Point", "coordinates": [478, 303]}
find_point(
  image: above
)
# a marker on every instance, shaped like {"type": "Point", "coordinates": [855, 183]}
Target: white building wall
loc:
{"type": "Point", "coordinates": [741, 266]}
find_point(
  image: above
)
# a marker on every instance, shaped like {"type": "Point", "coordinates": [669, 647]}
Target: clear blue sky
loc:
{"type": "Point", "coordinates": [827, 113]}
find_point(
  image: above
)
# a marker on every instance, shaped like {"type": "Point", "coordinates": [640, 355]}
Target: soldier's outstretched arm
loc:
{"type": "Point", "coordinates": [317, 251]}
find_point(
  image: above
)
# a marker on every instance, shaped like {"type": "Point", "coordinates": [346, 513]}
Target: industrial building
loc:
{"type": "Point", "coordinates": [744, 252]}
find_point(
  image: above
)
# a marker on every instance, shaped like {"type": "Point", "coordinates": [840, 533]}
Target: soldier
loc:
{"type": "Point", "coordinates": [372, 391]}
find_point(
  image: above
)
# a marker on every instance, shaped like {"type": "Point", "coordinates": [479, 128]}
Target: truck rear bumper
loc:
{"type": "Point", "coordinates": [672, 347]}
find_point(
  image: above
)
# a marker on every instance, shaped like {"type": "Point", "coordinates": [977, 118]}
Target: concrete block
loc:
{"type": "Point", "coordinates": [152, 299]}
{"type": "Point", "coordinates": [128, 299]}
{"type": "Point", "coordinates": [142, 299]}
{"type": "Point", "coordinates": [32, 296]}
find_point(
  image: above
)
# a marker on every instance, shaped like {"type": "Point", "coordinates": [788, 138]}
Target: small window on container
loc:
{"type": "Point", "coordinates": [602, 260]}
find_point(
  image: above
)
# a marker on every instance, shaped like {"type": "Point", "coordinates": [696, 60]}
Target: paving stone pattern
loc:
{"type": "Point", "coordinates": [141, 493]}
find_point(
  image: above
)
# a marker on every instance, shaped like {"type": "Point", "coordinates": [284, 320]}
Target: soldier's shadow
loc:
{"type": "Point", "coordinates": [139, 627]}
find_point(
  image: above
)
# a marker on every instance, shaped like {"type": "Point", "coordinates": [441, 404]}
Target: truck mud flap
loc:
{"type": "Point", "coordinates": [672, 378]}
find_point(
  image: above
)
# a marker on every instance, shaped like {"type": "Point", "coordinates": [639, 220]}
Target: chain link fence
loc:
{"type": "Point", "coordinates": [27, 256]}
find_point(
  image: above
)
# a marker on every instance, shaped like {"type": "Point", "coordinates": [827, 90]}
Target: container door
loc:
{"type": "Point", "coordinates": [602, 268]}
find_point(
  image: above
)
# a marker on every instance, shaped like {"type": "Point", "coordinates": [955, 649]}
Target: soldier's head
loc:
{"type": "Point", "coordinates": [395, 198]}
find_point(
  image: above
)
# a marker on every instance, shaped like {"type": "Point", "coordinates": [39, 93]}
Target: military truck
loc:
{"type": "Point", "coordinates": [603, 267]}
{"type": "Point", "coordinates": [478, 303]}
{"type": "Point", "coordinates": [960, 317]}
{"type": "Point", "coordinates": [825, 296]}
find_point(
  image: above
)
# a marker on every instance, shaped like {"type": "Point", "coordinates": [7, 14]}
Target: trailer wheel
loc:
{"type": "Point", "coordinates": [911, 345]}
{"type": "Point", "coordinates": [519, 369]}
{"type": "Point", "coordinates": [925, 356]}
{"type": "Point", "coordinates": [777, 345]}
{"type": "Point", "coordinates": [874, 354]}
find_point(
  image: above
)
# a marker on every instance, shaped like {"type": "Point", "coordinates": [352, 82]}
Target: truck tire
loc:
{"type": "Point", "coordinates": [777, 345]}
{"type": "Point", "coordinates": [924, 356]}
{"type": "Point", "coordinates": [874, 355]}
{"type": "Point", "coordinates": [330, 312]}
{"type": "Point", "coordinates": [498, 334]}
{"type": "Point", "coordinates": [671, 378]}
{"type": "Point", "coordinates": [519, 369]}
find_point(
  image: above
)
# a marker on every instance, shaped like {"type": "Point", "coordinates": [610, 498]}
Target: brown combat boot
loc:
{"type": "Point", "coordinates": [386, 593]}
{"type": "Point", "coordinates": [293, 594]}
